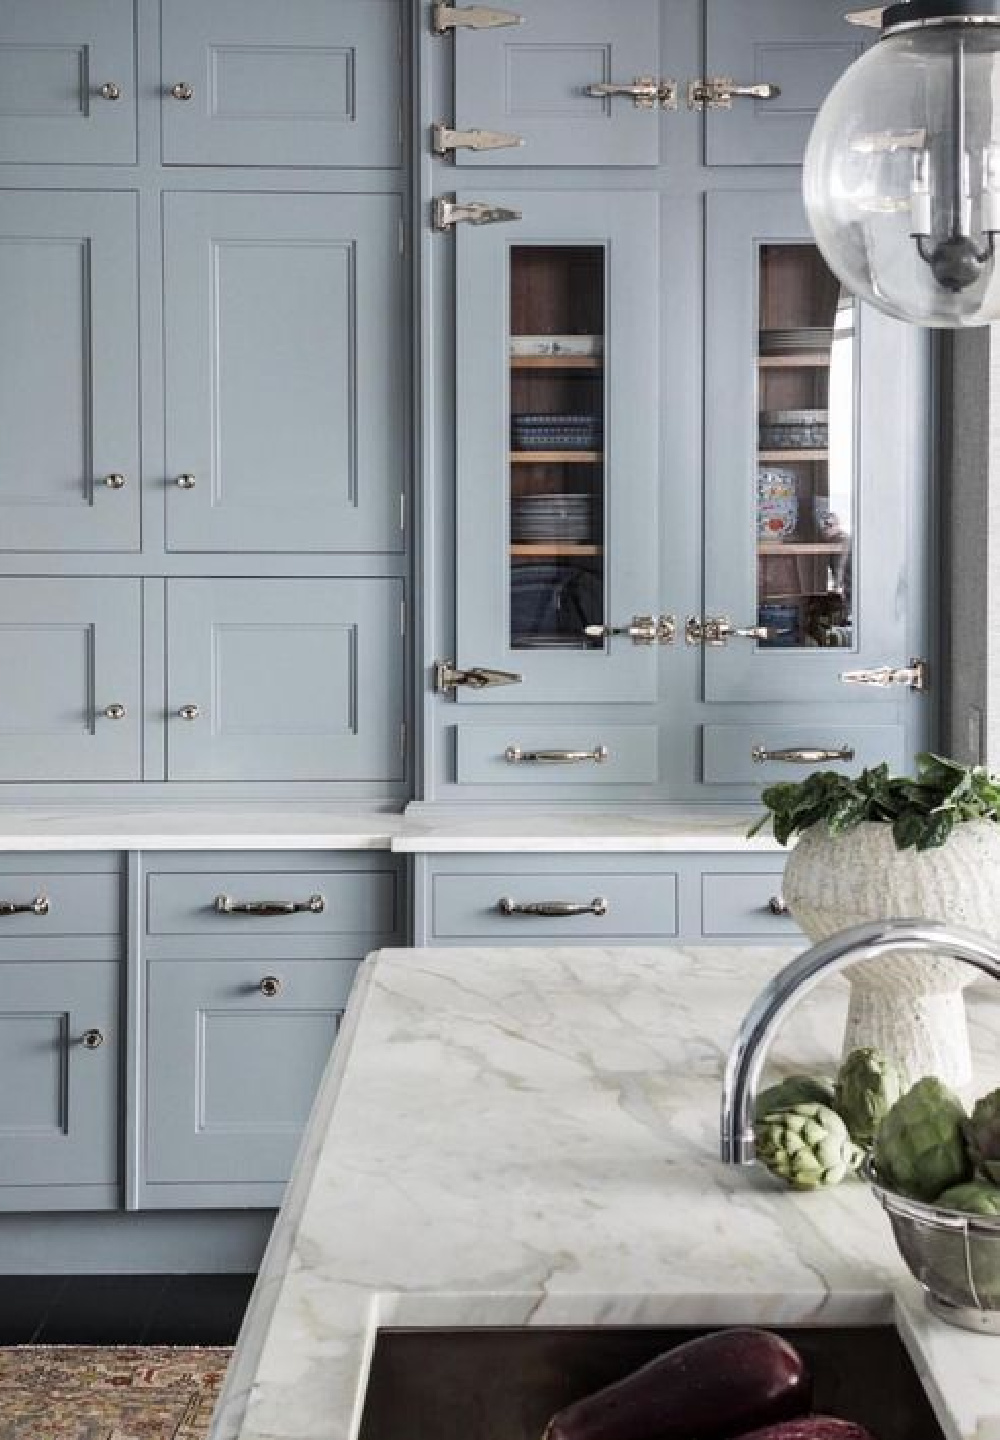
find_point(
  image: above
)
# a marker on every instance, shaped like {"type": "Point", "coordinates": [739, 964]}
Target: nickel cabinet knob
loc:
{"type": "Point", "coordinates": [186, 482]}
{"type": "Point", "coordinates": [189, 712]}
{"type": "Point", "coordinates": [270, 986]}
{"type": "Point", "coordinates": [778, 905]}
{"type": "Point", "coordinates": [92, 1039]}
{"type": "Point", "coordinates": [115, 712]}
{"type": "Point", "coordinates": [182, 90]}
{"type": "Point", "coordinates": [115, 481]}
{"type": "Point", "coordinates": [111, 91]}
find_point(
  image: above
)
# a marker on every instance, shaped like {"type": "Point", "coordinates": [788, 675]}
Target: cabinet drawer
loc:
{"type": "Point", "coordinates": [248, 82]}
{"type": "Point", "coordinates": [730, 750]}
{"type": "Point", "coordinates": [343, 903]}
{"type": "Point", "coordinates": [66, 904]}
{"type": "Point", "coordinates": [234, 1055]}
{"type": "Point", "coordinates": [741, 904]}
{"type": "Point", "coordinates": [541, 754]}
{"type": "Point", "coordinates": [484, 905]}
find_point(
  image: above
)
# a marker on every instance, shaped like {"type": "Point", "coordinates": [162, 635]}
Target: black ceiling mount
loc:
{"type": "Point", "coordinates": [916, 12]}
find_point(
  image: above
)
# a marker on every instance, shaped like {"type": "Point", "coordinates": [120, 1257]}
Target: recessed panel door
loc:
{"type": "Point", "coordinates": [285, 680]}
{"type": "Point", "coordinates": [798, 48]}
{"type": "Point", "coordinates": [285, 366]}
{"type": "Point", "coordinates": [59, 1062]}
{"type": "Point", "coordinates": [557, 419]}
{"type": "Point", "coordinates": [532, 80]}
{"type": "Point", "coordinates": [70, 702]}
{"type": "Point", "coordinates": [815, 434]}
{"type": "Point", "coordinates": [69, 416]}
{"type": "Point", "coordinates": [67, 82]}
{"type": "Point", "coordinates": [234, 1055]}
{"type": "Point", "coordinates": [300, 82]}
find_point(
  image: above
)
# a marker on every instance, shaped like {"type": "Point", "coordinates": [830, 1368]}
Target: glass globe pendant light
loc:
{"type": "Point", "coordinates": [902, 170]}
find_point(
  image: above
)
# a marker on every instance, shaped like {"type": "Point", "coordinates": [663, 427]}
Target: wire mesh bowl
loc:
{"type": "Point", "coordinates": [954, 1256]}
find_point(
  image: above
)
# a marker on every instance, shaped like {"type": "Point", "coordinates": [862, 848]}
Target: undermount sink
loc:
{"type": "Point", "coordinates": [504, 1384]}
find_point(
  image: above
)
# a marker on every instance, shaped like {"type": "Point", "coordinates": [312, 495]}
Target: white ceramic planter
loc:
{"type": "Point", "coordinates": [910, 1006]}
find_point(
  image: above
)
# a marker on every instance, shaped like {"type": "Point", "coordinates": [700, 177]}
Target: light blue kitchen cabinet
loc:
{"type": "Point", "coordinates": [281, 679]}
{"type": "Point", "coordinates": [71, 705]}
{"type": "Point", "coordinates": [304, 82]}
{"type": "Point", "coordinates": [532, 83]}
{"type": "Point", "coordinates": [67, 82]}
{"type": "Point", "coordinates": [59, 1063]}
{"type": "Point", "coordinates": [69, 413]}
{"type": "Point", "coordinates": [556, 507]}
{"type": "Point", "coordinates": [788, 52]}
{"type": "Point", "coordinates": [285, 367]}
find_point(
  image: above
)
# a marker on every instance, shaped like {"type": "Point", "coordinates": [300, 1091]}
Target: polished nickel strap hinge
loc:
{"type": "Point", "coordinates": [914, 676]}
{"type": "Point", "coordinates": [719, 92]}
{"type": "Point", "coordinates": [449, 213]}
{"type": "Point", "coordinates": [470, 17]}
{"type": "Point", "coordinates": [447, 678]}
{"type": "Point", "coordinates": [446, 141]}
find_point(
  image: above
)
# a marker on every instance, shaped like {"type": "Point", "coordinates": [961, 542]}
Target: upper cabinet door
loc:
{"type": "Point", "coordinates": [285, 367]}
{"type": "Point", "coordinates": [815, 442]}
{"type": "Point", "coordinates": [799, 46]}
{"type": "Point", "coordinates": [69, 413]}
{"type": "Point", "coordinates": [70, 702]}
{"type": "Point", "coordinates": [300, 82]}
{"type": "Point", "coordinates": [531, 80]}
{"type": "Point", "coordinates": [67, 82]}
{"type": "Point", "coordinates": [285, 679]}
{"type": "Point", "coordinates": [557, 443]}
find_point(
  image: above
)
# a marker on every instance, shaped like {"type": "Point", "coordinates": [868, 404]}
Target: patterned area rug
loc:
{"type": "Point", "coordinates": [92, 1392]}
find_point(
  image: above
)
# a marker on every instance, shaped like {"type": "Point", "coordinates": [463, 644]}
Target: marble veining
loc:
{"type": "Point", "coordinates": [510, 1137]}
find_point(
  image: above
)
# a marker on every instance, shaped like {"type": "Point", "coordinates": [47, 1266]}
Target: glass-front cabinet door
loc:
{"type": "Point", "coordinates": [814, 433]}
{"type": "Point", "coordinates": [557, 403]}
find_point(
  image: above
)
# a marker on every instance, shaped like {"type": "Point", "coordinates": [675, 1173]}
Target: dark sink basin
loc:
{"type": "Point", "coordinates": [504, 1384]}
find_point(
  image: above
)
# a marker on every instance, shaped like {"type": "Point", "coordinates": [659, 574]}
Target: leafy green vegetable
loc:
{"type": "Point", "coordinates": [922, 811]}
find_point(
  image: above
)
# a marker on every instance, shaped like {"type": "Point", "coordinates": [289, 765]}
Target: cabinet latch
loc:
{"type": "Point", "coordinates": [449, 213]}
{"type": "Point", "coordinates": [470, 17]}
{"type": "Point", "coordinates": [719, 92]}
{"type": "Point", "coordinates": [446, 141]}
{"type": "Point", "coordinates": [717, 630]}
{"type": "Point", "coordinates": [914, 676]}
{"type": "Point", "coordinates": [447, 678]}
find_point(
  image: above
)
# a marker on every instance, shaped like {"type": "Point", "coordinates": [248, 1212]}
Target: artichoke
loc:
{"type": "Point", "coordinates": [868, 1086]}
{"type": "Point", "coordinates": [919, 1149]}
{"type": "Point", "coordinates": [982, 1132]}
{"type": "Point", "coordinates": [794, 1090]}
{"type": "Point", "coordinates": [807, 1145]}
{"type": "Point", "coordinates": [976, 1198]}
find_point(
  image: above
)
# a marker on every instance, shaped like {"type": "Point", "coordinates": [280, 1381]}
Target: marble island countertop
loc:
{"type": "Point", "coordinates": [529, 1137]}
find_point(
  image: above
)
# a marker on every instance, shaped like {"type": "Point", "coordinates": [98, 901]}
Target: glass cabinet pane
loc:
{"type": "Point", "coordinates": [556, 499]}
{"type": "Point", "coordinates": [806, 474]}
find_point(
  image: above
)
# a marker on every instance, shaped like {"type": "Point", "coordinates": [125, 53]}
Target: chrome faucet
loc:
{"type": "Point", "coordinates": [861, 942]}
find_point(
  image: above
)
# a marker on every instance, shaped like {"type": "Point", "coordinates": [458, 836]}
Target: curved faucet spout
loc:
{"type": "Point", "coordinates": [861, 942]}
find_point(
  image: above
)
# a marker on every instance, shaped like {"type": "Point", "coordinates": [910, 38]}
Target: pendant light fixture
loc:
{"type": "Point", "coordinates": [902, 170]}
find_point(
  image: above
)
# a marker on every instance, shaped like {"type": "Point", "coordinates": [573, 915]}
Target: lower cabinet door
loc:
{"type": "Point", "coordinates": [70, 698]}
{"type": "Point", "coordinates": [59, 1061]}
{"type": "Point", "coordinates": [285, 679]}
{"type": "Point", "coordinates": [234, 1055]}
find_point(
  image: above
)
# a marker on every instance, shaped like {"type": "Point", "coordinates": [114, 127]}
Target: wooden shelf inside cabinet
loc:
{"type": "Point", "coordinates": [806, 361]}
{"type": "Point", "coordinates": [556, 457]}
{"type": "Point", "coordinates": [556, 362]}
{"type": "Point", "coordinates": [545, 549]}
{"type": "Point", "coordinates": [792, 457]}
{"type": "Point", "coordinates": [794, 547]}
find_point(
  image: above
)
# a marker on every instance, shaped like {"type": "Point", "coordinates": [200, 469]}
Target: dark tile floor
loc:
{"type": "Point", "coordinates": [122, 1309]}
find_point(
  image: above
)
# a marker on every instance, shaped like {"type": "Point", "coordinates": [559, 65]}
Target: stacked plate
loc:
{"type": "Point", "coordinates": [535, 518]}
{"type": "Point", "coordinates": [792, 342]}
{"type": "Point", "coordinates": [556, 432]}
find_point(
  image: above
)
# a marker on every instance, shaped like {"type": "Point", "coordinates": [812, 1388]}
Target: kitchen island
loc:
{"type": "Point", "coordinates": [530, 1137]}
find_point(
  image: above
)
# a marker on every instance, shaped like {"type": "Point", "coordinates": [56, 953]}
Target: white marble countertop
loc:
{"type": "Point", "coordinates": [303, 827]}
{"type": "Point", "coordinates": [529, 1137]}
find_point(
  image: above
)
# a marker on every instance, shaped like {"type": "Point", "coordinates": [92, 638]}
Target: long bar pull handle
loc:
{"type": "Point", "coordinates": [514, 755]}
{"type": "Point", "coordinates": [552, 909]}
{"type": "Point", "coordinates": [719, 92]}
{"type": "Point", "coordinates": [38, 906]}
{"type": "Point", "coordinates": [226, 905]}
{"type": "Point", "coordinates": [761, 755]}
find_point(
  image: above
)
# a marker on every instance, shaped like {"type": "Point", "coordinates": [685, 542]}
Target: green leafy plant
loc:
{"type": "Point", "coordinates": [922, 811]}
